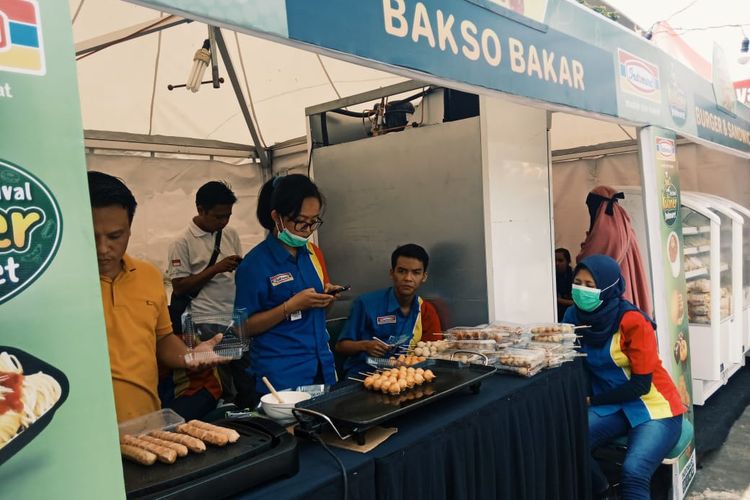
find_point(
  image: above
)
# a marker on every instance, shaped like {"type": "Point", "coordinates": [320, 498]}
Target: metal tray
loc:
{"type": "Point", "coordinates": [31, 365]}
{"type": "Point", "coordinates": [352, 409]}
{"type": "Point", "coordinates": [264, 451]}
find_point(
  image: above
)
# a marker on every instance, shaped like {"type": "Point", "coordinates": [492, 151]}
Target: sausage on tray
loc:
{"type": "Point", "coordinates": [211, 437]}
{"type": "Point", "coordinates": [193, 444]}
{"type": "Point", "coordinates": [137, 455]}
{"type": "Point", "coordinates": [166, 455]}
{"type": "Point", "coordinates": [180, 449]}
{"type": "Point", "coordinates": [232, 435]}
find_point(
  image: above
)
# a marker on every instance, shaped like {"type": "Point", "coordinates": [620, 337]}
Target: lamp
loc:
{"type": "Point", "coordinates": [201, 59]}
{"type": "Point", "coordinates": [744, 56]}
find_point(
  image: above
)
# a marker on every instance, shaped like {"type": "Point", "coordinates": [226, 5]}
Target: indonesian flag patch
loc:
{"type": "Point", "coordinates": [176, 262]}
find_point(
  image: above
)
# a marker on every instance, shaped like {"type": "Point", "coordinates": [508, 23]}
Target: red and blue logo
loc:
{"type": "Point", "coordinates": [638, 76]}
{"type": "Point", "coordinates": [21, 47]}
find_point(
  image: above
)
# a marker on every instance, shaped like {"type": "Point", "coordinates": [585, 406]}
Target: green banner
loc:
{"type": "Point", "coordinates": [675, 329]}
{"type": "Point", "coordinates": [58, 431]}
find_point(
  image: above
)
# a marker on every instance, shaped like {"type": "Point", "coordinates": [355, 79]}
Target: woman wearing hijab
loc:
{"type": "Point", "coordinates": [631, 392]}
{"type": "Point", "coordinates": [611, 233]}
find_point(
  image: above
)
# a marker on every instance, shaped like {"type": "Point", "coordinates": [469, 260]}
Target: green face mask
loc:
{"type": "Point", "coordinates": [587, 299]}
{"type": "Point", "coordinates": [290, 239]}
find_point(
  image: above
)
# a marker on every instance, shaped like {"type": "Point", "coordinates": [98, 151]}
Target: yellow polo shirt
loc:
{"type": "Point", "coordinates": [136, 315]}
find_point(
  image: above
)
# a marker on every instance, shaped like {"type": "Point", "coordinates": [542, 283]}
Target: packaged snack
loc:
{"type": "Point", "coordinates": [550, 328]}
{"type": "Point", "coordinates": [521, 357]}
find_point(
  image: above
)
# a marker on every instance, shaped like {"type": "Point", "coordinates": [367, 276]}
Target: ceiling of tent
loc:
{"type": "Point", "coordinates": [123, 88]}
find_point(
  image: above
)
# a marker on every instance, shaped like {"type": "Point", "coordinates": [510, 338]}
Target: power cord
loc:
{"type": "Point", "coordinates": [338, 460]}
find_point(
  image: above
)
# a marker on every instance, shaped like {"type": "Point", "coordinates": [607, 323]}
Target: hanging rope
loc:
{"type": "Point", "coordinates": [249, 95]}
{"type": "Point", "coordinates": [153, 88]}
{"type": "Point", "coordinates": [320, 60]}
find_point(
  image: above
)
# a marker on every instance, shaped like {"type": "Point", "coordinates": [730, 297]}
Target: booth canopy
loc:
{"type": "Point", "coordinates": [123, 87]}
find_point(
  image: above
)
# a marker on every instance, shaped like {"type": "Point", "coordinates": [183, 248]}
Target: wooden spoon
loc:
{"type": "Point", "coordinates": [273, 391]}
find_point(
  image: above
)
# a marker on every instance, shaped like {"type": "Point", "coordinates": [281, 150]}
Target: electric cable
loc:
{"type": "Point", "coordinates": [341, 465]}
{"type": "Point", "coordinates": [327, 75]}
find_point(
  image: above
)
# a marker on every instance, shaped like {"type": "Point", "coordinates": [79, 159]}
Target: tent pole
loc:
{"type": "Point", "coordinates": [265, 164]}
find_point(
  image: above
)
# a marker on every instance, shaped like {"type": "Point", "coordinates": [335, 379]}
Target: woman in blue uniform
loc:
{"type": "Point", "coordinates": [282, 284]}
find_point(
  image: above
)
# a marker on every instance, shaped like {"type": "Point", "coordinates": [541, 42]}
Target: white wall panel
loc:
{"type": "Point", "coordinates": [518, 211]}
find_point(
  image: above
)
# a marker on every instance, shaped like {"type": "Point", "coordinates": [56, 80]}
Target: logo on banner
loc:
{"type": "Point", "coordinates": [669, 201]}
{"type": "Point", "coordinates": [30, 229]}
{"type": "Point", "coordinates": [665, 149]}
{"type": "Point", "coordinates": [677, 100]}
{"type": "Point", "coordinates": [21, 47]}
{"type": "Point", "coordinates": [742, 88]}
{"type": "Point", "coordinates": [638, 76]}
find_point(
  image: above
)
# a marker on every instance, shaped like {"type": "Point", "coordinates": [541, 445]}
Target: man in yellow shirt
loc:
{"type": "Point", "coordinates": [139, 331]}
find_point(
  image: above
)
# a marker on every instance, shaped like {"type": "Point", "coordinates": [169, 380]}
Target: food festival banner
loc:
{"type": "Point", "coordinates": [659, 151]}
{"type": "Point", "coordinates": [54, 363]}
{"type": "Point", "coordinates": [575, 57]}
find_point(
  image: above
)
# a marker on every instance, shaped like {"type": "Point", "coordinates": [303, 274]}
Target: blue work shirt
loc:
{"type": "Point", "coordinates": [290, 353]}
{"type": "Point", "coordinates": [378, 314]}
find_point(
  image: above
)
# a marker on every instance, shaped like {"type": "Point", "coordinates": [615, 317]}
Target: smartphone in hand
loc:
{"type": "Point", "coordinates": [337, 291]}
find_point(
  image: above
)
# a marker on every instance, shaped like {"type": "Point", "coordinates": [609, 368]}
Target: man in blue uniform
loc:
{"type": "Point", "coordinates": [394, 315]}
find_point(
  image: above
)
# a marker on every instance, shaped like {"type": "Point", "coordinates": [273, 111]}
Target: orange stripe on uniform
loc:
{"type": "Point", "coordinates": [316, 256]}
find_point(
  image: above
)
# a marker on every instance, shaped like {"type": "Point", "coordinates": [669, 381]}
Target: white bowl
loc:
{"type": "Point", "coordinates": [282, 411]}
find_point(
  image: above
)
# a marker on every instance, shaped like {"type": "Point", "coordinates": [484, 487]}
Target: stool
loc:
{"type": "Point", "coordinates": [679, 484]}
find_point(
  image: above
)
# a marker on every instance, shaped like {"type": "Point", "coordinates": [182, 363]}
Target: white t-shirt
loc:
{"type": "Point", "coordinates": [191, 253]}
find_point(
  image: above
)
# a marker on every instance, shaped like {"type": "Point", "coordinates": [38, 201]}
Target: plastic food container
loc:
{"type": "Point", "coordinates": [162, 420]}
{"type": "Point", "coordinates": [199, 328]}
{"type": "Point", "coordinates": [568, 338]}
{"type": "Point", "coordinates": [282, 412]}
{"type": "Point", "coordinates": [474, 345]}
{"type": "Point", "coordinates": [550, 328]}
{"type": "Point", "coordinates": [506, 327]}
{"type": "Point", "coordinates": [545, 346]}
{"type": "Point", "coordinates": [527, 358]}
{"type": "Point", "coordinates": [487, 333]}
{"type": "Point", "coordinates": [520, 370]}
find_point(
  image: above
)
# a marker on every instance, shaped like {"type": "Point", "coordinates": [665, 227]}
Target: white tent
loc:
{"type": "Point", "coordinates": [124, 89]}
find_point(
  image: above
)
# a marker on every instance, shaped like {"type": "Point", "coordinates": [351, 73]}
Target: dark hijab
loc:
{"type": "Point", "coordinates": [594, 201]}
{"type": "Point", "coordinates": [605, 320]}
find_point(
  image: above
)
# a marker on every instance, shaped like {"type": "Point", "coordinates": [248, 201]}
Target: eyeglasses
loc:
{"type": "Point", "coordinates": [304, 226]}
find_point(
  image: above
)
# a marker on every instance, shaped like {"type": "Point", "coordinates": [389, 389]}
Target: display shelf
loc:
{"type": "Point", "coordinates": [689, 230]}
{"type": "Point", "coordinates": [696, 273]}
{"type": "Point", "coordinates": [697, 250]}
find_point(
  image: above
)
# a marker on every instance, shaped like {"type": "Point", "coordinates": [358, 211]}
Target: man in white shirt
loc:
{"type": "Point", "coordinates": [192, 394]}
{"type": "Point", "coordinates": [190, 255]}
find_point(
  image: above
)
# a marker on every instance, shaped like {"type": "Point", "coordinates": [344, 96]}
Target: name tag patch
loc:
{"type": "Point", "coordinates": [281, 278]}
{"type": "Point", "coordinates": [386, 320]}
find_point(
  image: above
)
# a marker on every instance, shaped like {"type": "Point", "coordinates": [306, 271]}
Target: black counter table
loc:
{"type": "Point", "coordinates": [518, 438]}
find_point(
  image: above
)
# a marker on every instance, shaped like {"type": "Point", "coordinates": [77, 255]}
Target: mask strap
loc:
{"type": "Point", "coordinates": [610, 286]}
{"type": "Point", "coordinates": [279, 225]}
